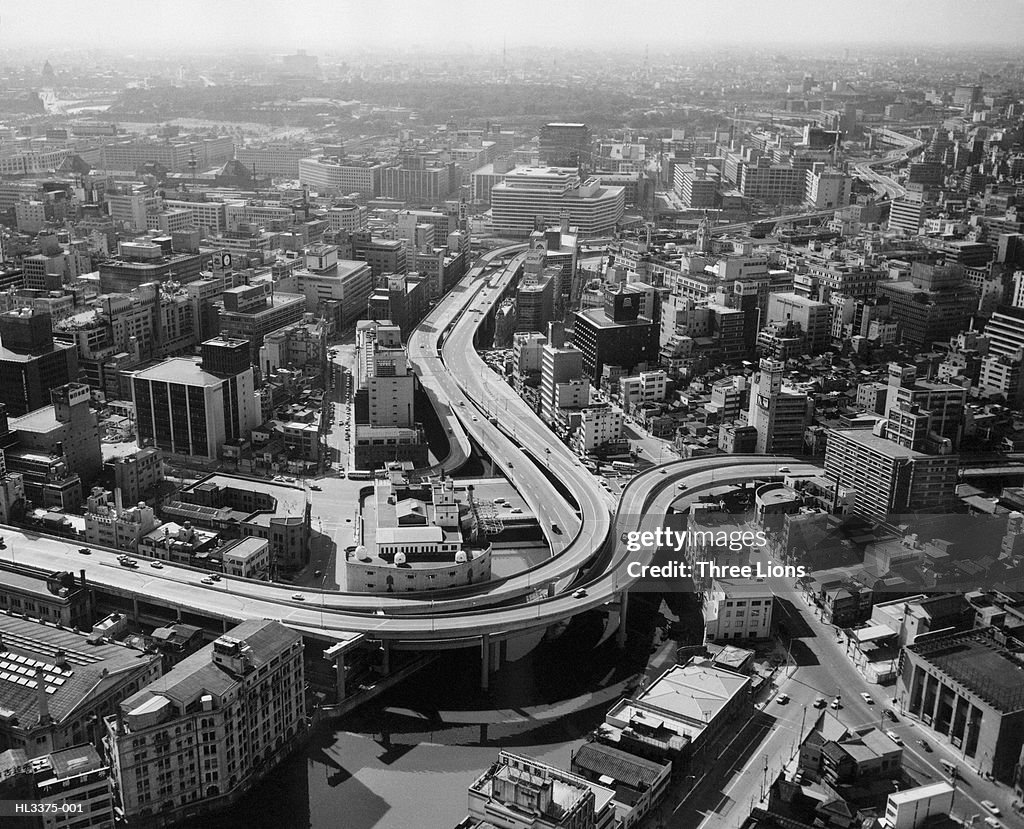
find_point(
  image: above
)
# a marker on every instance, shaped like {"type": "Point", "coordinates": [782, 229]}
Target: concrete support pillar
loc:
{"type": "Point", "coordinates": [485, 661]}
{"type": "Point", "coordinates": [495, 655]}
{"type": "Point", "coordinates": [339, 679]}
{"type": "Point", "coordinates": [620, 634]}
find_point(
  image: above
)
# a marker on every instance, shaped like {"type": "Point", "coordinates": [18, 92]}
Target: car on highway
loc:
{"type": "Point", "coordinates": [867, 698]}
{"type": "Point", "coordinates": [892, 735]}
{"type": "Point", "coordinates": [988, 804]}
{"type": "Point", "coordinates": [298, 597]}
{"type": "Point", "coordinates": [85, 551]}
{"type": "Point", "coordinates": [556, 529]}
{"type": "Point", "coordinates": [156, 565]}
{"type": "Point", "coordinates": [579, 594]}
{"type": "Point", "coordinates": [782, 699]}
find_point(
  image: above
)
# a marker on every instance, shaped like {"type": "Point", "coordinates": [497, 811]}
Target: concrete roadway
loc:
{"type": "Point", "coordinates": [646, 497]}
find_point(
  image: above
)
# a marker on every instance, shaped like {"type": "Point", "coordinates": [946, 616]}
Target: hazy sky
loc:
{"type": "Point", "coordinates": [278, 26]}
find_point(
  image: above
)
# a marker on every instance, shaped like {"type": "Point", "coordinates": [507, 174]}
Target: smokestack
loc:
{"type": "Point", "coordinates": [41, 701]}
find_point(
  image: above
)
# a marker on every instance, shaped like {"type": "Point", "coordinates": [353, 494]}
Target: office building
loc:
{"type": "Point", "coordinates": [276, 160]}
{"type": "Point", "coordinates": [199, 737]}
{"type": "Point", "coordinates": [907, 216]}
{"type": "Point", "coordinates": [138, 474]}
{"type": "Point", "coordinates": [561, 365]}
{"type": "Point", "coordinates": [600, 425]}
{"type": "Point", "coordinates": [565, 145]}
{"type": "Point", "coordinates": [968, 689]}
{"type": "Point", "coordinates": [535, 297]}
{"type": "Point", "coordinates": [31, 363]}
{"type": "Point", "coordinates": [56, 682]}
{"type": "Point", "coordinates": [811, 316]}
{"type": "Point", "coordinates": [328, 281]}
{"type": "Point", "coordinates": [531, 198]}
{"type": "Point", "coordinates": [616, 336]}
{"type": "Point", "coordinates": [885, 478]}
{"type": "Point", "coordinates": [781, 417]}
{"type": "Point", "coordinates": [67, 427]}
{"type": "Point", "coordinates": [250, 312]}
{"type": "Point", "coordinates": [326, 174]}
{"type": "Point", "coordinates": [192, 408]}
{"type": "Point", "coordinates": [932, 306]}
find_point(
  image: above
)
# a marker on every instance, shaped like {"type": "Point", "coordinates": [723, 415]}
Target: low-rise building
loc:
{"type": "Point", "coordinates": [55, 683]}
{"type": "Point", "coordinates": [517, 792]}
{"type": "Point", "coordinates": [738, 610]}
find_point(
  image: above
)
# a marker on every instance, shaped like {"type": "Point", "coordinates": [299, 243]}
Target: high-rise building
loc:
{"type": "Point", "coordinates": [780, 417]}
{"type": "Point", "coordinates": [616, 335]}
{"type": "Point", "coordinates": [68, 426]}
{"type": "Point", "coordinates": [885, 478]}
{"type": "Point", "coordinates": [565, 145]}
{"type": "Point", "coordinates": [199, 737]}
{"type": "Point", "coordinates": [189, 408]}
{"type": "Point", "coordinates": [31, 363]}
{"type": "Point", "coordinates": [560, 365]}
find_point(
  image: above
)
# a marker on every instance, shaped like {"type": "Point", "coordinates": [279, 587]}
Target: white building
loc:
{"type": "Point", "coordinates": [599, 425]}
{"type": "Point", "coordinates": [333, 175]}
{"type": "Point", "coordinates": [530, 195]}
{"type": "Point", "coordinates": [911, 808]}
{"type": "Point", "coordinates": [646, 387]}
{"type": "Point", "coordinates": [738, 610]}
{"type": "Point", "coordinates": [247, 558]}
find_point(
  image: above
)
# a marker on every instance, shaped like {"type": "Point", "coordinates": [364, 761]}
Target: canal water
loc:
{"type": "Point", "coordinates": [405, 760]}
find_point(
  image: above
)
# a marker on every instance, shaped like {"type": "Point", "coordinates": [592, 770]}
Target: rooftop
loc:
{"type": "Point", "coordinates": [180, 370]}
{"type": "Point", "coordinates": [197, 674]}
{"type": "Point", "coordinates": [91, 670]}
{"type": "Point", "coordinates": [979, 664]}
{"type": "Point", "coordinates": [695, 691]}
